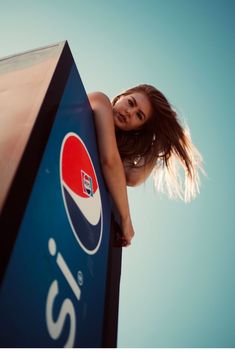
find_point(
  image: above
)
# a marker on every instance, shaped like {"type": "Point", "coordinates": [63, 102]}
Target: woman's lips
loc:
{"type": "Point", "coordinates": [121, 118]}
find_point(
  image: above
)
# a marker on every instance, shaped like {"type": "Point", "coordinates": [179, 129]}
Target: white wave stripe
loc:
{"type": "Point", "coordinates": [91, 209]}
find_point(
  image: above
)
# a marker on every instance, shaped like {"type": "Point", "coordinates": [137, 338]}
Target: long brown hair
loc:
{"type": "Point", "coordinates": [164, 144]}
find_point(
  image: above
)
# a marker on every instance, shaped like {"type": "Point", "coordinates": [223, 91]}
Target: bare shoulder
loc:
{"type": "Point", "coordinates": [98, 99]}
{"type": "Point", "coordinates": [104, 123]}
{"type": "Point", "coordinates": [103, 114]}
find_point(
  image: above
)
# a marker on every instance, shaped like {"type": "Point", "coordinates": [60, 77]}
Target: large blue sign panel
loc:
{"type": "Point", "coordinates": [53, 291]}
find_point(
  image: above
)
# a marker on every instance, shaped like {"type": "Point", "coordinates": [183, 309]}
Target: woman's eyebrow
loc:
{"type": "Point", "coordinates": [137, 106]}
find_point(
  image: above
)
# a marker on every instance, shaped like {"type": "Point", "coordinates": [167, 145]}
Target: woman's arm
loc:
{"type": "Point", "coordinates": [111, 163]}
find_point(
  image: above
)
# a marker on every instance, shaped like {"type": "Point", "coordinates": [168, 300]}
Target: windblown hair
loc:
{"type": "Point", "coordinates": [165, 145]}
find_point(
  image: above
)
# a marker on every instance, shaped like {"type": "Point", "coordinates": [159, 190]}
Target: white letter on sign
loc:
{"type": "Point", "coordinates": [55, 327]}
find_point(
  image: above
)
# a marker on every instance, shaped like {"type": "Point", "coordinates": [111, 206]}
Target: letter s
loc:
{"type": "Point", "coordinates": [55, 327]}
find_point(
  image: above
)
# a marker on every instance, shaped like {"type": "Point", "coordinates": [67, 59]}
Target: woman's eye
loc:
{"type": "Point", "coordinates": [139, 116]}
{"type": "Point", "coordinates": [130, 102]}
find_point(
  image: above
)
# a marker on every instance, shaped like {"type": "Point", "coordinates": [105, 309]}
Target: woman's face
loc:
{"type": "Point", "coordinates": [132, 111]}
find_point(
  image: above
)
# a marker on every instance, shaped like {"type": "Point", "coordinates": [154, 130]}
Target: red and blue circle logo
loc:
{"type": "Point", "coordinates": [81, 193]}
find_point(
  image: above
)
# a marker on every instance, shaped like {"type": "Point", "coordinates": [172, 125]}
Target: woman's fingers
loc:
{"type": "Point", "coordinates": [126, 232]}
{"type": "Point", "coordinates": [125, 242]}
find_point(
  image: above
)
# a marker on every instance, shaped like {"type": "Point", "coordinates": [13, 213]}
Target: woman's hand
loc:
{"type": "Point", "coordinates": [127, 232]}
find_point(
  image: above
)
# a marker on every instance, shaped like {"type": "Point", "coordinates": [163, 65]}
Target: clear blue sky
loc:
{"type": "Point", "coordinates": [178, 281]}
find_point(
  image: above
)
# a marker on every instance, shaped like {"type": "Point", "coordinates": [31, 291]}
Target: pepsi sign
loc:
{"type": "Point", "coordinates": [81, 193]}
{"type": "Point", "coordinates": [55, 291]}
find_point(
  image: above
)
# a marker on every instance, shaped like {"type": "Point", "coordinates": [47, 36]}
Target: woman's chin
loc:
{"type": "Point", "coordinates": [118, 124]}
{"type": "Point", "coordinates": [120, 127]}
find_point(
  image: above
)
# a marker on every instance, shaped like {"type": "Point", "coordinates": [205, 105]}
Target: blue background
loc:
{"type": "Point", "coordinates": [178, 283]}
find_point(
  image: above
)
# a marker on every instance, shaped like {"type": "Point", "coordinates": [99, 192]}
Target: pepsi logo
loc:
{"type": "Point", "coordinates": [81, 193]}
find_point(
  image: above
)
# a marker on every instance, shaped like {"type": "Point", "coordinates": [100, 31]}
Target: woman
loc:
{"type": "Point", "coordinates": [139, 133]}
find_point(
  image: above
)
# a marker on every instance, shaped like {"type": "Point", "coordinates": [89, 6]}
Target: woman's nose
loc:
{"type": "Point", "coordinates": [131, 111]}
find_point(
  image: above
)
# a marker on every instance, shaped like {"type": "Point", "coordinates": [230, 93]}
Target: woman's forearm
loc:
{"type": "Point", "coordinates": [114, 175]}
{"type": "Point", "coordinates": [116, 182]}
